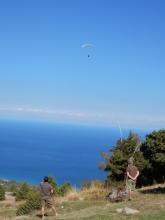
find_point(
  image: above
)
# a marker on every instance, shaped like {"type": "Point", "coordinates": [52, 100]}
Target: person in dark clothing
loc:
{"type": "Point", "coordinates": [132, 173]}
{"type": "Point", "coordinates": [46, 190]}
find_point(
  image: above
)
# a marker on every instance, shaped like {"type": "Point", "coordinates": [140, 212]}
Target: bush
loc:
{"type": "Point", "coordinates": [65, 188]}
{"type": "Point", "coordinates": [53, 183]}
{"type": "Point", "coordinates": [32, 203]}
{"type": "Point", "coordinates": [22, 193]}
{"type": "Point", "coordinates": [2, 193]}
{"type": "Point", "coordinates": [12, 188]}
{"type": "Point", "coordinates": [23, 209]}
{"type": "Point", "coordinates": [86, 184]}
{"type": "Point", "coordinates": [98, 184]}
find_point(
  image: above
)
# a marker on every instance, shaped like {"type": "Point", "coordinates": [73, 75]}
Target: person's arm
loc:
{"type": "Point", "coordinates": [133, 178]}
{"type": "Point", "coordinates": [137, 174]}
{"type": "Point", "coordinates": [129, 176]}
{"type": "Point", "coordinates": [51, 189]}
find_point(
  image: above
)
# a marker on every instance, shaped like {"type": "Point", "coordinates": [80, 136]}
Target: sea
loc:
{"type": "Point", "coordinates": [70, 153]}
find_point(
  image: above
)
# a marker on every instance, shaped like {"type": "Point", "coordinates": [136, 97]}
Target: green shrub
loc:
{"type": "Point", "coordinates": [53, 183]}
{"type": "Point", "coordinates": [22, 193]}
{"type": "Point", "coordinates": [86, 184]}
{"type": "Point", "coordinates": [65, 188]}
{"type": "Point", "coordinates": [2, 193]}
{"type": "Point", "coordinates": [23, 209]}
{"type": "Point", "coordinates": [32, 203]}
{"type": "Point", "coordinates": [12, 188]}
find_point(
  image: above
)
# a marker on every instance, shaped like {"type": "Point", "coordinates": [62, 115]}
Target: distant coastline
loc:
{"type": "Point", "coordinates": [7, 183]}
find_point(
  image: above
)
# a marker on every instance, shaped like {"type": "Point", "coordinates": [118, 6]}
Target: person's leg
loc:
{"type": "Point", "coordinates": [132, 188]}
{"type": "Point", "coordinates": [42, 212]}
{"type": "Point", "coordinates": [50, 202]}
{"type": "Point", "coordinates": [54, 210]}
{"type": "Point", "coordinates": [43, 208]}
{"type": "Point", "coordinates": [128, 186]}
{"type": "Point", "coordinates": [130, 194]}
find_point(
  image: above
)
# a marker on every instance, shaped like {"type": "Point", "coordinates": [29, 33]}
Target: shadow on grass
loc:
{"type": "Point", "coordinates": [40, 216]}
{"type": "Point", "coordinates": [157, 190]}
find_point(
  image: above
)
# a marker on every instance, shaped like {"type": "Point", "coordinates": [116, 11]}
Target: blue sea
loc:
{"type": "Point", "coordinates": [31, 150]}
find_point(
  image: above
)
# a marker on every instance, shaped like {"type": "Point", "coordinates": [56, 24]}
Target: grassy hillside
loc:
{"type": "Point", "coordinates": [90, 204]}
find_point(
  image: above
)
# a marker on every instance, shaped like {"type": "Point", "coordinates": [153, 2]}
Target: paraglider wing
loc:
{"type": "Point", "coordinates": [90, 45]}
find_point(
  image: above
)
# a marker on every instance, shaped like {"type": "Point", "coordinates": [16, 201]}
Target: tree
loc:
{"type": "Point", "coordinates": [33, 202]}
{"type": "Point", "coordinates": [2, 193]}
{"type": "Point", "coordinates": [12, 188]}
{"type": "Point", "coordinates": [64, 189]}
{"type": "Point", "coordinates": [53, 183]}
{"type": "Point", "coordinates": [153, 150]}
{"type": "Point", "coordinates": [22, 193]}
{"type": "Point", "coordinates": [117, 157]}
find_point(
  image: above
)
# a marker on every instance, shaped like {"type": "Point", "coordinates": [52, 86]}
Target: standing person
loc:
{"type": "Point", "coordinates": [46, 190]}
{"type": "Point", "coordinates": [132, 173]}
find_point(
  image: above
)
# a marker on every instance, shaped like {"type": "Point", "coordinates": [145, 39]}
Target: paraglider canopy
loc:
{"type": "Point", "coordinates": [90, 45]}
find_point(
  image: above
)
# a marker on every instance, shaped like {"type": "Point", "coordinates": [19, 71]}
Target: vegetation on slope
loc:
{"type": "Point", "coordinates": [85, 205]}
{"type": "Point", "coordinates": [149, 157]}
{"type": "Point", "coordinates": [89, 202]}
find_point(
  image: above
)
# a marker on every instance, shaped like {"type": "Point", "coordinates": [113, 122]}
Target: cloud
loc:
{"type": "Point", "coordinates": [96, 118]}
{"type": "Point", "coordinates": [46, 112]}
{"type": "Point", "coordinates": [33, 110]}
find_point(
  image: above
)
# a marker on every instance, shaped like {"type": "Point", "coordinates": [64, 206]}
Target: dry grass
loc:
{"type": "Point", "coordinates": [85, 194]}
{"type": "Point", "coordinates": [149, 202]}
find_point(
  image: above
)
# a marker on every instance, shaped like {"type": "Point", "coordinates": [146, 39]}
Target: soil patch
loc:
{"type": "Point", "coordinates": [8, 199]}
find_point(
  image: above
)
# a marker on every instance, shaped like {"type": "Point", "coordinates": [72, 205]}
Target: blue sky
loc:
{"type": "Point", "coordinates": [45, 75]}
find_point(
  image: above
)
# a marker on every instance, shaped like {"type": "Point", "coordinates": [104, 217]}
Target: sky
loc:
{"type": "Point", "coordinates": [46, 75]}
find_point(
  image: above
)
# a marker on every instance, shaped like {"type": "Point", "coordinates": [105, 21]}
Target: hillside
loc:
{"type": "Point", "coordinates": [6, 183]}
{"type": "Point", "coordinates": [148, 201]}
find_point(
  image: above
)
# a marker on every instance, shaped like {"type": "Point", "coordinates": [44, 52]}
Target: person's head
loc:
{"type": "Point", "coordinates": [45, 179]}
{"type": "Point", "coordinates": [130, 162]}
